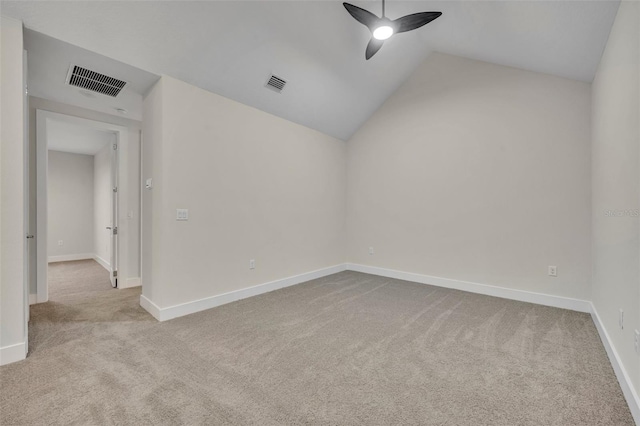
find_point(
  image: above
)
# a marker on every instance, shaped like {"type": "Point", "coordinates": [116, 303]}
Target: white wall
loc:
{"type": "Point", "coordinates": [13, 334]}
{"type": "Point", "coordinates": [476, 172]}
{"type": "Point", "coordinates": [152, 161]}
{"type": "Point", "coordinates": [70, 209]}
{"type": "Point", "coordinates": [616, 185]}
{"type": "Point", "coordinates": [133, 172]}
{"type": "Point", "coordinates": [102, 191]}
{"type": "Point", "coordinates": [256, 186]}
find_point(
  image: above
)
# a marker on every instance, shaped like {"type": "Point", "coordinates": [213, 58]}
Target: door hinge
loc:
{"type": "Point", "coordinates": [115, 146]}
{"type": "Point", "coordinates": [115, 189]}
{"type": "Point", "coordinates": [115, 230]}
{"type": "Point", "coordinates": [115, 274]}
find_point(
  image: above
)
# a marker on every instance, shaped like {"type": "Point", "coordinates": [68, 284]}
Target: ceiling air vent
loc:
{"type": "Point", "coordinates": [276, 83]}
{"type": "Point", "coordinates": [94, 81]}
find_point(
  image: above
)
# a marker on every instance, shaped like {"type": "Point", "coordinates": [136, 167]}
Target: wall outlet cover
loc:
{"type": "Point", "coordinates": [182, 214]}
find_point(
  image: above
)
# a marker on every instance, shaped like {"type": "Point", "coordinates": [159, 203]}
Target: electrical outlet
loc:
{"type": "Point", "coordinates": [636, 341]}
{"type": "Point", "coordinates": [182, 214]}
{"type": "Point", "coordinates": [371, 251]}
{"type": "Point", "coordinates": [252, 264]}
{"type": "Point", "coordinates": [621, 320]}
{"type": "Point", "coordinates": [60, 242]}
{"type": "Point", "coordinates": [553, 271]}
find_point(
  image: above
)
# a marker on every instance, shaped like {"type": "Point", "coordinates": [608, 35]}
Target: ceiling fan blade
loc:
{"type": "Point", "coordinates": [365, 17]}
{"type": "Point", "coordinates": [373, 47]}
{"type": "Point", "coordinates": [415, 20]}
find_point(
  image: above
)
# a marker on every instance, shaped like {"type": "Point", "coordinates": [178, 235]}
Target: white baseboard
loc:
{"type": "Point", "coordinates": [69, 257]}
{"type": "Point", "coordinates": [471, 287]}
{"type": "Point", "coordinates": [106, 265]}
{"type": "Point", "coordinates": [163, 314]}
{"type": "Point", "coordinates": [630, 394]}
{"type": "Point", "coordinates": [129, 282]}
{"type": "Point", "coordinates": [33, 298]}
{"type": "Point", "coordinates": [13, 353]}
{"type": "Point", "coordinates": [152, 308]}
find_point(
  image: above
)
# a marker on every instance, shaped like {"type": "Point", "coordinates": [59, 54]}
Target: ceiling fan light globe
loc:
{"type": "Point", "coordinates": [383, 32]}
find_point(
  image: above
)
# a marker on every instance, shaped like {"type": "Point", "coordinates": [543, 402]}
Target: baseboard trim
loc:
{"type": "Point", "coordinates": [164, 314]}
{"type": "Point", "coordinates": [33, 298]}
{"type": "Point", "coordinates": [129, 282]}
{"type": "Point", "coordinates": [13, 353]}
{"type": "Point", "coordinates": [151, 307]}
{"type": "Point", "coordinates": [471, 287]}
{"type": "Point", "coordinates": [69, 257]}
{"type": "Point", "coordinates": [106, 265]}
{"type": "Point", "coordinates": [628, 390]}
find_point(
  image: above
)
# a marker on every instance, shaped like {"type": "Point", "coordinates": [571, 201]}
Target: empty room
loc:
{"type": "Point", "coordinates": [315, 212]}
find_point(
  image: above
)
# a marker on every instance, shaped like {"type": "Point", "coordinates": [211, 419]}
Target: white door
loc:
{"type": "Point", "coordinates": [114, 214]}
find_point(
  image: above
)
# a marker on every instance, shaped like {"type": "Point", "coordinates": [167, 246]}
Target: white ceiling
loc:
{"type": "Point", "coordinates": [77, 139]}
{"type": "Point", "coordinates": [231, 47]}
{"type": "Point", "coordinates": [49, 60]}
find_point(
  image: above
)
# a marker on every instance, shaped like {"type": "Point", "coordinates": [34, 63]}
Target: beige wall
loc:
{"type": "Point", "coordinates": [616, 185]}
{"type": "Point", "coordinates": [476, 172]}
{"type": "Point", "coordinates": [12, 230]}
{"type": "Point", "coordinates": [256, 186]}
{"type": "Point", "coordinates": [133, 171]}
{"type": "Point", "coordinates": [70, 204]}
{"type": "Point", "coordinates": [102, 195]}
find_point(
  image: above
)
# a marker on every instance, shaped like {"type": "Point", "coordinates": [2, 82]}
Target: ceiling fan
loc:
{"type": "Point", "coordinates": [383, 28]}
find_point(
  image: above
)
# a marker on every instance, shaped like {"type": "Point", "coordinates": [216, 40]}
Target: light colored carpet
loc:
{"type": "Point", "coordinates": [346, 349]}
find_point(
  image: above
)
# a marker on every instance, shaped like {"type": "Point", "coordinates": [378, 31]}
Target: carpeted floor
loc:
{"type": "Point", "coordinates": [346, 349]}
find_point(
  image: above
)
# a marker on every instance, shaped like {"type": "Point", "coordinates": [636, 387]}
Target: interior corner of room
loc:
{"type": "Point", "coordinates": [471, 174]}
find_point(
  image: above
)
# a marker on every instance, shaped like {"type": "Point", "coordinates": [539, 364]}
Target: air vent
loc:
{"type": "Point", "coordinates": [276, 83]}
{"type": "Point", "coordinates": [94, 81]}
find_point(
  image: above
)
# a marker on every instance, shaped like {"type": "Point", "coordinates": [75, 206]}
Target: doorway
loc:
{"type": "Point", "coordinates": [77, 161]}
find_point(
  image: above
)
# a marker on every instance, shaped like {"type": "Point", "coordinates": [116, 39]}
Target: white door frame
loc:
{"type": "Point", "coordinates": [114, 198]}
{"type": "Point", "coordinates": [26, 193]}
{"type": "Point", "coordinates": [42, 171]}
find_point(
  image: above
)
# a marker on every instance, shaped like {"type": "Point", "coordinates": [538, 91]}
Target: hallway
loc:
{"type": "Point", "coordinates": [80, 296]}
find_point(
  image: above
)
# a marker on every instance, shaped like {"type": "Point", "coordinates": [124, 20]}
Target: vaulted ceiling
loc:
{"type": "Point", "coordinates": [232, 47]}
